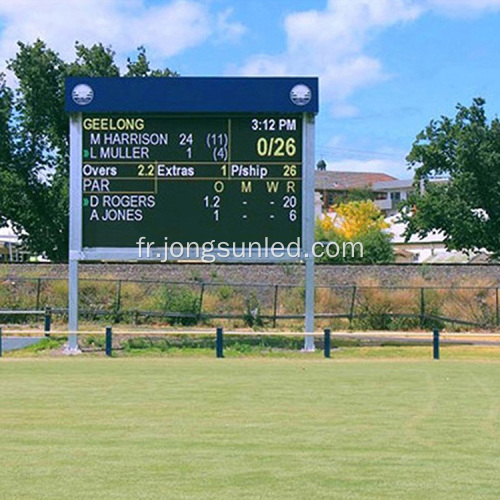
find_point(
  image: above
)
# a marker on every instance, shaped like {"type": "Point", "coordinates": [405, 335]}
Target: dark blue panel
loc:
{"type": "Point", "coordinates": [185, 95]}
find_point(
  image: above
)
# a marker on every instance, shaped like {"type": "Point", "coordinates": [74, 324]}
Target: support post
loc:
{"type": "Point", "coordinates": [353, 303]}
{"type": "Point", "coordinates": [308, 226]}
{"type": "Point", "coordinates": [435, 343]}
{"type": "Point", "coordinates": [422, 307]}
{"type": "Point", "coordinates": [200, 305]}
{"type": "Point", "coordinates": [497, 308]}
{"type": "Point", "coordinates": [327, 343]}
{"type": "Point", "coordinates": [73, 308]}
{"type": "Point", "coordinates": [1, 347]}
{"type": "Point", "coordinates": [118, 297]}
{"type": "Point", "coordinates": [109, 341]}
{"type": "Point", "coordinates": [219, 343]}
{"type": "Point", "coordinates": [275, 305]}
{"type": "Point", "coordinates": [38, 291]}
{"type": "Point", "coordinates": [48, 320]}
{"type": "Point", "coordinates": [75, 228]}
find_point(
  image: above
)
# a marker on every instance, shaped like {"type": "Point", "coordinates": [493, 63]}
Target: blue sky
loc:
{"type": "Point", "coordinates": [386, 67]}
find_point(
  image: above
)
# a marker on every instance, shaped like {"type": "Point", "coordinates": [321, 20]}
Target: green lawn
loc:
{"type": "Point", "coordinates": [255, 428]}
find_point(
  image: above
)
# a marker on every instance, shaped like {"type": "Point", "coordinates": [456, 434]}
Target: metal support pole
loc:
{"type": "Point", "coordinates": [308, 226]}
{"type": "Point", "coordinates": [48, 319]}
{"type": "Point", "coordinates": [75, 228]}
{"type": "Point", "coordinates": [73, 308]}
{"type": "Point", "coordinates": [38, 291]}
{"type": "Point", "coordinates": [497, 309]}
{"type": "Point", "coordinates": [275, 305]}
{"type": "Point", "coordinates": [309, 338]}
{"type": "Point", "coordinates": [118, 297]}
{"type": "Point", "coordinates": [327, 342]}
{"type": "Point", "coordinates": [422, 307]}
{"type": "Point", "coordinates": [200, 305]}
{"type": "Point", "coordinates": [219, 343]}
{"type": "Point", "coordinates": [1, 349]}
{"type": "Point", "coordinates": [109, 341]}
{"type": "Point", "coordinates": [353, 303]}
{"type": "Point", "coordinates": [435, 343]}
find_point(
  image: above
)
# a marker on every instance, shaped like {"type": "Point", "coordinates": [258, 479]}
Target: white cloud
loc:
{"type": "Point", "coordinates": [463, 8]}
{"type": "Point", "coordinates": [227, 29]}
{"type": "Point", "coordinates": [330, 43]}
{"type": "Point", "coordinates": [165, 29]}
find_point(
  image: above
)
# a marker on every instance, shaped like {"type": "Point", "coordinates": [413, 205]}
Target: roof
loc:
{"type": "Point", "coordinates": [340, 181]}
{"type": "Point", "coordinates": [7, 234]}
{"type": "Point", "coordinates": [397, 230]}
{"type": "Point", "coordinates": [396, 184]}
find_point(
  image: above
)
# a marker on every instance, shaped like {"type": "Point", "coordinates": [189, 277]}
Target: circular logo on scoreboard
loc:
{"type": "Point", "coordinates": [82, 94]}
{"type": "Point", "coordinates": [300, 94]}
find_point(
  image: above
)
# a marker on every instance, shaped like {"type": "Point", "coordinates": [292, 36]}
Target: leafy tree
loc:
{"type": "Point", "coordinates": [465, 150]}
{"type": "Point", "coordinates": [140, 67]}
{"type": "Point", "coordinates": [34, 139]}
{"type": "Point", "coordinates": [357, 221]}
{"type": "Point", "coordinates": [355, 218]}
{"type": "Point", "coordinates": [93, 61]}
{"type": "Point", "coordinates": [356, 194]}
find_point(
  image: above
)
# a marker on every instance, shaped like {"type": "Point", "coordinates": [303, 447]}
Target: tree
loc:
{"type": "Point", "coordinates": [34, 139]}
{"type": "Point", "coordinates": [140, 67]}
{"type": "Point", "coordinates": [357, 221]}
{"type": "Point", "coordinates": [356, 194]}
{"type": "Point", "coordinates": [464, 150]}
{"type": "Point", "coordinates": [5, 136]}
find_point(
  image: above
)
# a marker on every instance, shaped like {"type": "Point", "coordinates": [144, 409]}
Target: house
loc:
{"type": "Point", "coordinates": [389, 194]}
{"type": "Point", "coordinates": [430, 249]}
{"type": "Point", "coordinates": [334, 185]}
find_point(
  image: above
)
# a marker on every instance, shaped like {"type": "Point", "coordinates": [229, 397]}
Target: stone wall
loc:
{"type": "Point", "coordinates": [407, 274]}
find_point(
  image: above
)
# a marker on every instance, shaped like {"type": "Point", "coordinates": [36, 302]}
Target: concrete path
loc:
{"type": "Point", "coordinates": [14, 343]}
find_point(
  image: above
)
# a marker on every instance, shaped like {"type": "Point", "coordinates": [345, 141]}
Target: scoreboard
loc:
{"type": "Point", "coordinates": [188, 160]}
{"type": "Point", "coordinates": [196, 178]}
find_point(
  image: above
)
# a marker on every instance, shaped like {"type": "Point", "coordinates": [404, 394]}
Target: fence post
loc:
{"type": "Point", "coordinates": [275, 306]}
{"type": "Point", "coordinates": [38, 287]}
{"type": "Point", "coordinates": [118, 297]}
{"type": "Point", "coordinates": [497, 307]}
{"type": "Point", "coordinates": [353, 301]}
{"type": "Point", "coordinates": [109, 341]}
{"type": "Point", "coordinates": [219, 343]}
{"type": "Point", "coordinates": [48, 320]}
{"type": "Point", "coordinates": [327, 342]}
{"type": "Point", "coordinates": [200, 307]}
{"type": "Point", "coordinates": [422, 306]}
{"type": "Point", "coordinates": [435, 343]}
{"type": "Point", "coordinates": [1, 350]}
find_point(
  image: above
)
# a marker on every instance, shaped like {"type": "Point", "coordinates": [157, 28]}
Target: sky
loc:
{"type": "Point", "coordinates": [385, 67]}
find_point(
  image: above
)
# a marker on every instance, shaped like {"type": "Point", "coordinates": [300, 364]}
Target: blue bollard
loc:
{"type": "Point", "coordinates": [48, 319]}
{"type": "Point", "coordinates": [109, 341]}
{"type": "Point", "coordinates": [327, 343]}
{"type": "Point", "coordinates": [219, 343]}
{"type": "Point", "coordinates": [435, 343]}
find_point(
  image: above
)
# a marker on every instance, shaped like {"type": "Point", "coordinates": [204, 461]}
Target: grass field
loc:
{"type": "Point", "coordinates": [248, 428]}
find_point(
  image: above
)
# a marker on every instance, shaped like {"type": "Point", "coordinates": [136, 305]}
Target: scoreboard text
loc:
{"type": "Point", "coordinates": [235, 178]}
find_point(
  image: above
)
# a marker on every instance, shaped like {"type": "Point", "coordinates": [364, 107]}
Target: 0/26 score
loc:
{"type": "Point", "coordinates": [260, 172]}
{"type": "Point", "coordinates": [280, 143]}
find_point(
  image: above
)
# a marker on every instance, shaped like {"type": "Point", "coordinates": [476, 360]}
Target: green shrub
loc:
{"type": "Point", "coordinates": [180, 300]}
